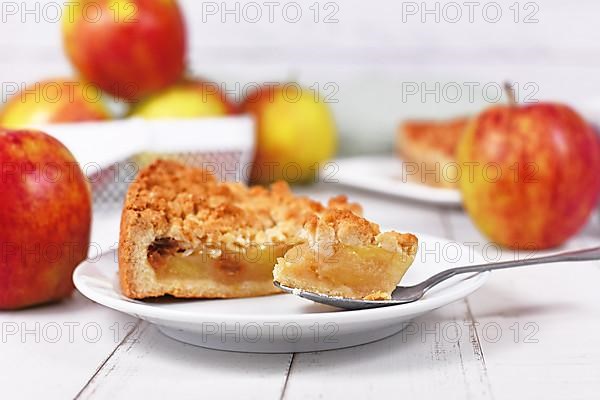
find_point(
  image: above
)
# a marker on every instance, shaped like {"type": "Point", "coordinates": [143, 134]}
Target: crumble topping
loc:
{"type": "Point", "coordinates": [190, 206]}
{"type": "Point", "coordinates": [342, 226]}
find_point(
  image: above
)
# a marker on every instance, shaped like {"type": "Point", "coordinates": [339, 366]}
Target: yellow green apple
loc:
{"type": "Point", "coordinates": [188, 99]}
{"type": "Point", "coordinates": [296, 133]}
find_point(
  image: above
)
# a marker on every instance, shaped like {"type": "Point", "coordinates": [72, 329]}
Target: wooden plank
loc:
{"type": "Point", "coordinates": [52, 351]}
{"type": "Point", "coordinates": [360, 25]}
{"type": "Point", "coordinates": [436, 355]}
{"type": "Point", "coordinates": [154, 366]}
{"type": "Point", "coordinates": [538, 326]}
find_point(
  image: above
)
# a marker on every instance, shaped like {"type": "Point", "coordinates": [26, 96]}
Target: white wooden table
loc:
{"type": "Point", "coordinates": [529, 333]}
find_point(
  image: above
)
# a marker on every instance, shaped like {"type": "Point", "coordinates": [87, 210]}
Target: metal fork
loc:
{"type": "Point", "coordinates": [408, 294]}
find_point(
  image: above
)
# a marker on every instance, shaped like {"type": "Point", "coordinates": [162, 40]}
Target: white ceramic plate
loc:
{"type": "Point", "coordinates": [283, 323]}
{"type": "Point", "coordinates": [384, 174]}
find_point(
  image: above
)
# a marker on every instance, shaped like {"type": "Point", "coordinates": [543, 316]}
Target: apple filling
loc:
{"type": "Point", "coordinates": [170, 261]}
{"type": "Point", "coordinates": [362, 272]}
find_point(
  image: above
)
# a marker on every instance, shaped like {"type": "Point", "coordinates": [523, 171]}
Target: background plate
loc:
{"type": "Point", "coordinates": [383, 174]}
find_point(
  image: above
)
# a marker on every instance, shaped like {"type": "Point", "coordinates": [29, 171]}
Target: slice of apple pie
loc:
{"type": "Point", "coordinates": [429, 149]}
{"type": "Point", "coordinates": [185, 234]}
{"type": "Point", "coordinates": [347, 256]}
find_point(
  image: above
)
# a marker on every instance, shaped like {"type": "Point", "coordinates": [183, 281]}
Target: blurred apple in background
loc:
{"type": "Point", "coordinates": [46, 216]}
{"type": "Point", "coordinates": [128, 48]}
{"type": "Point", "coordinates": [189, 99]}
{"type": "Point", "coordinates": [296, 133]}
{"type": "Point", "coordinates": [54, 101]}
{"type": "Point", "coordinates": [530, 174]}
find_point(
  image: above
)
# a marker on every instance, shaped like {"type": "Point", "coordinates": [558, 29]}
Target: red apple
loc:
{"type": "Point", "coordinates": [530, 174]}
{"type": "Point", "coordinates": [45, 215]}
{"type": "Point", "coordinates": [54, 101]}
{"type": "Point", "coordinates": [129, 48]}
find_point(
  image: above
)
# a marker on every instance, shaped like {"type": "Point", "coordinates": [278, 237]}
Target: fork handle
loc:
{"type": "Point", "coordinates": [577, 255]}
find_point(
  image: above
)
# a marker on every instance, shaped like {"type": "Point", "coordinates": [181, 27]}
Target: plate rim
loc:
{"type": "Point", "coordinates": [142, 310]}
